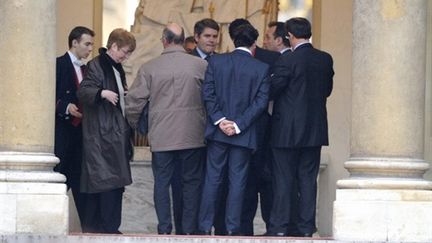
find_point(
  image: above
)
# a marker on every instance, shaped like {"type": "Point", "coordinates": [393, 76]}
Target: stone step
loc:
{"type": "Point", "coordinates": [149, 238]}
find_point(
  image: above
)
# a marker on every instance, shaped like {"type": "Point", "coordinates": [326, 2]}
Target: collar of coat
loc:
{"type": "Point", "coordinates": [173, 48]}
{"type": "Point", "coordinates": [303, 45]}
{"type": "Point", "coordinates": [107, 63]}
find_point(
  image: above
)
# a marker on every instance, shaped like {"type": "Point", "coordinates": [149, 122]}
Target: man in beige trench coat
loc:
{"type": "Point", "coordinates": [172, 84]}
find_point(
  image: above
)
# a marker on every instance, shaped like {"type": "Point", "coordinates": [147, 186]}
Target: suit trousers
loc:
{"type": "Point", "coordinates": [290, 165]}
{"type": "Point", "coordinates": [224, 159]}
{"type": "Point", "coordinates": [258, 187]}
{"type": "Point", "coordinates": [80, 199]}
{"type": "Point", "coordinates": [68, 148]}
{"type": "Point", "coordinates": [219, 220]}
{"type": "Point", "coordinates": [163, 165]}
{"type": "Point", "coordinates": [103, 212]}
{"type": "Point", "coordinates": [177, 198]}
{"type": "Point", "coordinates": [260, 179]}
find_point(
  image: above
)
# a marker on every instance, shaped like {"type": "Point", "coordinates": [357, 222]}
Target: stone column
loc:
{"type": "Point", "coordinates": [386, 197]}
{"type": "Point", "coordinates": [32, 197]}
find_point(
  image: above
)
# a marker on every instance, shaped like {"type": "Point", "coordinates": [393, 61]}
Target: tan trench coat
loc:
{"type": "Point", "coordinates": [172, 84]}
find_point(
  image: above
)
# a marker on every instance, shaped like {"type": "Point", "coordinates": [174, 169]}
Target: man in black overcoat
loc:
{"type": "Point", "coordinates": [300, 85]}
{"type": "Point", "coordinates": [68, 130]}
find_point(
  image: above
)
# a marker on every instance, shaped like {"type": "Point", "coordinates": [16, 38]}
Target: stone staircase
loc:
{"type": "Point", "coordinates": [149, 238]}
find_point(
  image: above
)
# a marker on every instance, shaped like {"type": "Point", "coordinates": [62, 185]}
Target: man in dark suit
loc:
{"type": "Point", "coordinates": [300, 85]}
{"type": "Point", "coordinates": [276, 39]}
{"type": "Point", "coordinates": [235, 94]}
{"type": "Point", "coordinates": [206, 32]}
{"type": "Point", "coordinates": [259, 182]}
{"type": "Point", "coordinates": [68, 130]}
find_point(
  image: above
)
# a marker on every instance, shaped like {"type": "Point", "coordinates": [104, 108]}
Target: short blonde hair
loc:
{"type": "Point", "coordinates": [122, 38]}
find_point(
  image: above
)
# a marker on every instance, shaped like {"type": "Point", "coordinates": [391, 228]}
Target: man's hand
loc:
{"type": "Point", "coordinates": [74, 111]}
{"type": "Point", "coordinates": [227, 127]}
{"type": "Point", "coordinates": [109, 95]}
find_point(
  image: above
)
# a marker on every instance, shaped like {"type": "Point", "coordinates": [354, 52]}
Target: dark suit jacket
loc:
{"type": "Point", "coordinates": [266, 56]}
{"type": "Point", "coordinates": [67, 137]}
{"type": "Point", "coordinates": [235, 87]}
{"type": "Point", "coordinates": [66, 85]}
{"type": "Point", "coordinates": [300, 85]}
{"type": "Point", "coordinates": [270, 58]}
{"type": "Point", "coordinates": [195, 53]}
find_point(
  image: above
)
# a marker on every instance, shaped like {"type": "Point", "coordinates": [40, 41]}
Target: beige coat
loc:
{"type": "Point", "coordinates": [172, 84]}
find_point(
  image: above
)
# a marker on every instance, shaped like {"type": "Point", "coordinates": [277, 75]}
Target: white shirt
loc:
{"type": "Point", "coordinates": [77, 66]}
{"type": "Point", "coordinates": [121, 90]}
{"type": "Point", "coordinates": [285, 50]}
{"type": "Point", "coordinates": [299, 44]}
{"type": "Point", "coordinates": [244, 49]}
{"type": "Point", "coordinates": [201, 53]}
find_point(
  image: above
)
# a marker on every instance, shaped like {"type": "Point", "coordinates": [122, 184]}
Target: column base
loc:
{"type": "Point", "coordinates": [24, 213]}
{"type": "Point", "coordinates": [382, 215]}
{"type": "Point", "coordinates": [33, 198]}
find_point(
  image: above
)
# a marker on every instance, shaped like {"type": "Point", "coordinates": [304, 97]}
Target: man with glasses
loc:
{"type": "Point", "coordinates": [172, 84]}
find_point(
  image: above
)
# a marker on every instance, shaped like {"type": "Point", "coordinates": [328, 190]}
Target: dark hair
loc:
{"type": "Point", "coordinates": [299, 27]}
{"type": "Point", "coordinates": [122, 38]}
{"type": "Point", "coordinates": [171, 37]}
{"type": "Point", "coordinates": [77, 32]}
{"type": "Point", "coordinates": [234, 24]}
{"type": "Point", "coordinates": [280, 32]}
{"type": "Point", "coordinates": [190, 39]}
{"type": "Point", "coordinates": [245, 35]}
{"type": "Point", "coordinates": [205, 23]}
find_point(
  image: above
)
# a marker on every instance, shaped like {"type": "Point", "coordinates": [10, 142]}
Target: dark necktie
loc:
{"type": "Point", "coordinates": [83, 70]}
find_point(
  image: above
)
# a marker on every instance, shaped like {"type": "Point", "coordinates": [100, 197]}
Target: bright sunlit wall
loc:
{"type": "Point", "coordinates": [117, 14]}
{"type": "Point", "coordinates": [295, 8]}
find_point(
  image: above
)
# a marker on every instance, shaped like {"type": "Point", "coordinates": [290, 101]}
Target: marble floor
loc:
{"type": "Point", "coordinates": [138, 215]}
{"type": "Point", "coordinates": [148, 238]}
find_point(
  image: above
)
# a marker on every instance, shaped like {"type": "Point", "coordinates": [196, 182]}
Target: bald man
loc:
{"type": "Point", "coordinates": [173, 82]}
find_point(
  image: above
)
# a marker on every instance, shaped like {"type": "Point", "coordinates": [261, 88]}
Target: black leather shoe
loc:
{"type": "Point", "coordinates": [306, 235]}
{"type": "Point", "coordinates": [277, 234]}
{"type": "Point", "coordinates": [200, 232]}
{"type": "Point", "coordinates": [230, 233]}
{"type": "Point", "coordinates": [113, 232]}
{"type": "Point", "coordinates": [164, 233]}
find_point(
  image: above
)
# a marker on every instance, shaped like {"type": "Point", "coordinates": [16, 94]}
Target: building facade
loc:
{"type": "Point", "coordinates": [380, 112]}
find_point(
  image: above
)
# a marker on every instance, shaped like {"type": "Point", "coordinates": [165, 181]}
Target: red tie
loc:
{"type": "Point", "coordinates": [75, 120]}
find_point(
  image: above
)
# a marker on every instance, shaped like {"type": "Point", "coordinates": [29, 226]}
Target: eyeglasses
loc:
{"type": "Point", "coordinates": [126, 52]}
